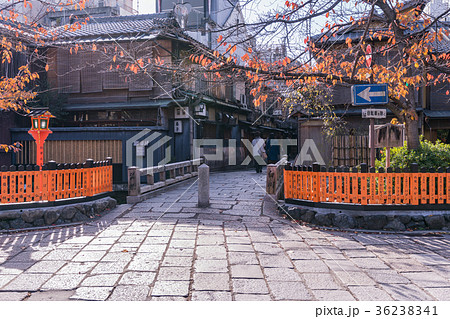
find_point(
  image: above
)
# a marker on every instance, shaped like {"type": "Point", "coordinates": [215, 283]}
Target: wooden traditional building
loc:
{"type": "Point", "coordinates": [117, 99]}
{"type": "Point", "coordinates": [351, 146]}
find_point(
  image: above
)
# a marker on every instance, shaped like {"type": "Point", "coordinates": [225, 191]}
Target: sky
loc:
{"type": "Point", "coordinates": [146, 6]}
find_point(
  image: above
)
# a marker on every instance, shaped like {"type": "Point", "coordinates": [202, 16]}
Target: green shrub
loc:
{"type": "Point", "coordinates": [427, 155]}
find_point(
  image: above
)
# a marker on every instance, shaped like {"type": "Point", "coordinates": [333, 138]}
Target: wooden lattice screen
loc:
{"type": "Point", "coordinates": [71, 151]}
{"type": "Point", "coordinates": [350, 150]}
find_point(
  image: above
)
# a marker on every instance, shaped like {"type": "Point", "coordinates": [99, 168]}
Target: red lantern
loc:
{"type": "Point", "coordinates": [39, 130]}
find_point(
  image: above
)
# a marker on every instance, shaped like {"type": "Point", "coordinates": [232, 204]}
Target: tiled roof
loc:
{"type": "Point", "coordinates": [356, 34]}
{"type": "Point", "coordinates": [122, 27]}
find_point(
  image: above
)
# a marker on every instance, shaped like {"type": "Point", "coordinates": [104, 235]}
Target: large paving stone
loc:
{"type": "Point", "coordinates": [246, 271]}
{"type": "Point", "coordinates": [27, 282]}
{"type": "Point", "coordinates": [252, 297]}
{"type": "Point", "coordinates": [77, 268]}
{"type": "Point", "coordinates": [85, 256]}
{"type": "Point", "coordinates": [211, 281]}
{"type": "Point", "coordinates": [369, 293]}
{"type": "Point", "coordinates": [177, 261]}
{"type": "Point", "coordinates": [92, 293]}
{"type": "Point", "coordinates": [238, 258]}
{"type": "Point", "coordinates": [130, 293]}
{"type": "Point", "coordinates": [320, 281]}
{"type": "Point", "coordinates": [137, 278]}
{"type": "Point", "coordinates": [249, 286]}
{"type": "Point", "coordinates": [359, 278]}
{"type": "Point", "coordinates": [427, 279]}
{"type": "Point", "coordinates": [105, 280]}
{"type": "Point", "coordinates": [174, 273]}
{"type": "Point", "coordinates": [439, 293]}
{"type": "Point", "coordinates": [211, 265]}
{"type": "Point", "coordinates": [289, 291]}
{"type": "Point", "coordinates": [13, 296]}
{"type": "Point", "coordinates": [387, 276]}
{"type": "Point", "coordinates": [46, 266]}
{"type": "Point", "coordinates": [211, 252]}
{"type": "Point", "coordinates": [4, 279]}
{"type": "Point", "coordinates": [116, 267]}
{"type": "Point", "coordinates": [332, 295]}
{"type": "Point", "coordinates": [311, 266]}
{"type": "Point", "coordinates": [63, 282]}
{"type": "Point", "coordinates": [281, 274]}
{"type": "Point", "coordinates": [369, 263]}
{"type": "Point", "coordinates": [170, 288]}
{"type": "Point", "coordinates": [406, 292]}
{"type": "Point", "coordinates": [211, 296]}
{"type": "Point", "coordinates": [275, 261]}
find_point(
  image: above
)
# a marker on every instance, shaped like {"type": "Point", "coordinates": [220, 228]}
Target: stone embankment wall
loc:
{"type": "Point", "coordinates": [59, 215]}
{"type": "Point", "coordinates": [370, 220]}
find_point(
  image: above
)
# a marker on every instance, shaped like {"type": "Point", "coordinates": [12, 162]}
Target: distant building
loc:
{"type": "Point", "coordinates": [64, 14]}
{"type": "Point", "coordinates": [437, 7]}
{"type": "Point", "coordinates": [105, 107]}
{"type": "Point", "coordinates": [351, 146]}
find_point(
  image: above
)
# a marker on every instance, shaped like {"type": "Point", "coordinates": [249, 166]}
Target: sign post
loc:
{"type": "Point", "coordinates": [371, 94]}
{"type": "Point", "coordinates": [389, 135]}
{"type": "Point", "coordinates": [373, 114]}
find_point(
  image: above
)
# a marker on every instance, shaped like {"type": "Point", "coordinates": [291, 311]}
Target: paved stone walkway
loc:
{"type": "Point", "coordinates": [238, 249]}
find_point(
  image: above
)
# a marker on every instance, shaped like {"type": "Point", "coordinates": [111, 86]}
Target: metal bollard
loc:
{"type": "Point", "coordinates": [203, 185]}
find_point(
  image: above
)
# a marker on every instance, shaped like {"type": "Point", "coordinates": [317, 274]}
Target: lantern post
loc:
{"type": "Point", "coordinates": [39, 130]}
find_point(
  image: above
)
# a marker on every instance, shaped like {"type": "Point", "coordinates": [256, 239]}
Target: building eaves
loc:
{"type": "Point", "coordinates": [122, 106]}
{"type": "Point", "coordinates": [114, 28]}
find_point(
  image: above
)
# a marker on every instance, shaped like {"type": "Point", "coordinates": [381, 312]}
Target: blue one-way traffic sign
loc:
{"type": "Point", "coordinates": [372, 94]}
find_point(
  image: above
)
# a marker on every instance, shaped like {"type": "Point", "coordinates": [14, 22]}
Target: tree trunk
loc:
{"type": "Point", "coordinates": [412, 132]}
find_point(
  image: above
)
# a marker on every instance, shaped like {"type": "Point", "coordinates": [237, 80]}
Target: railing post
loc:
{"type": "Point", "coordinates": [271, 180]}
{"type": "Point", "coordinates": [162, 175]}
{"type": "Point", "coordinates": [316, 184]}
{"type": "Point", "coordinates": [134, 181]}
{"type": "Point", "coordinates": [109, 182]}
{"type": "Point", "coordinates": [287, 180]}
{"type": "Point", "coordinates": [203, 185]}
{"type": "Point", "coordinates": [414, 184]}
{"type": "Point", "coordinates": [51, 184]}
{"type": "Point", "coordinates": [12, 183]}
{"type": "Point", "coordinates": [4, 184]}
{"type": "Point", "coordinates": [364, 175]}
{"type": "Point", "coordinates": [89, 177]}
{"type": "Point", "coordinates": [150, 179]}
{"type": "Point", "coordinates": [448, 185]}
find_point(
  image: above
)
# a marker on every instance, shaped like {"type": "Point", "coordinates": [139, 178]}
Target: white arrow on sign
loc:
{"type": "Point", "coordinates": [366, 94]}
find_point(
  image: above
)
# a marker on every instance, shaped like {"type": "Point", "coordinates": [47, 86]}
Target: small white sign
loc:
{"type": "Point", "coordinates": [374, 113]}
{"type": "Point", "coordinates": [178, 126]}
{"type": "Point", "coordinates": [181, 112]}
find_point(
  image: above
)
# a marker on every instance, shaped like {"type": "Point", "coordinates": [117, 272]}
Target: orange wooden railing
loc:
{"type": "Point", "coordinates": [353, 186]}
{"type": "Point", "coordinates": [55, 182]}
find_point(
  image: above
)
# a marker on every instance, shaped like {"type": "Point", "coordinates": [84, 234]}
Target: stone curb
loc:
{"type": "Point", "coordinates": [368, 222]}
{"type": "Point", "coordinates": [56, 216]}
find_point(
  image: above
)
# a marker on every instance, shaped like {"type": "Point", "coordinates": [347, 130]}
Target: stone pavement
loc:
{"type": "Point", "coordinates": [238, 249]}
